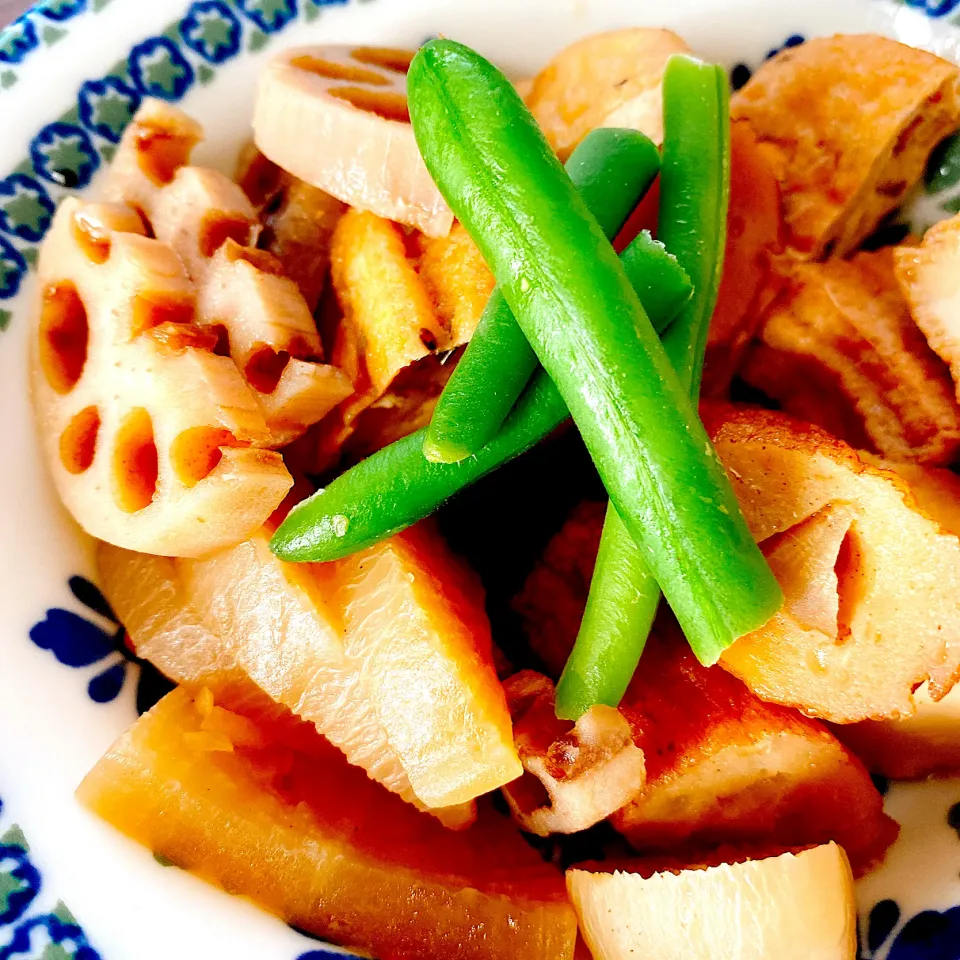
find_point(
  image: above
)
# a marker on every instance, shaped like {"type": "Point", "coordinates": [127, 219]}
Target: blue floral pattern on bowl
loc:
{"type": "Point", "coordinates": [98, 638]}
{"type": "Point", "coordinates": [159, 69]}
{"type": "Point", "coordinates": [19, 39]}
{"type": "Point", "coordinates": [928, 935]}
{"type": "Point", "coordinates": [269, 15]}
{"type": "Point", "coordinates": [934, 8]}
{"type": "Point", "coordinates": [106, 107]}
{"type": "Point", "coordinates": [13, 267]}
{"type": "Point", "coordinates": [25, 209]}
{"type": "Point", "coordinates": [63, 154]}
{"type": "Point", "coordinates": [60, 10]}
{"type": "Point", "coordinates": [66, 154]}
{"type": "Point", "coordinates": [28, 931]}
{"type": "Point", "coordinates": [212, 31]}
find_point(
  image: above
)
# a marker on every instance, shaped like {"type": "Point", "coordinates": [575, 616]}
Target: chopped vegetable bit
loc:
{"type": "Point", "coordinates": [694, 190]}
{"type": "Point", "coordinates": [612, 169]}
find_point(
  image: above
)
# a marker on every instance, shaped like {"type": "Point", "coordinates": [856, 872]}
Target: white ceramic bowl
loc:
{"type": "Point", "coordinates": [71, 73]}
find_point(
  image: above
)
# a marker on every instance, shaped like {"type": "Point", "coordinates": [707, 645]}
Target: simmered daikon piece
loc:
{"type": "Point", "coordinates": [792, 906]}
{"type": "Point", "coordinates": [387, 653]}
{"type": "Point", "coordinates": [313, 840]}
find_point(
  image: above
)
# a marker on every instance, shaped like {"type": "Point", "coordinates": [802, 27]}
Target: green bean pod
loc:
{"type": "Point", "coordinates": [574, 302]}
{"type": "Point", "coordinates": [612, 169]}
{"type": "Point", "coordinates": [656, 276]}
{"type": "Point", "coordinates": [621, 607]}
{"type": "Point", "coordinates": [694, 194]}
{"type": "Point", "coordinates": [397, 486]}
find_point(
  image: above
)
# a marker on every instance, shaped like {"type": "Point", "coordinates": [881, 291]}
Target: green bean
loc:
{"type": "Point", "coordinates": [398, 486]}
{"type": "Point", "coordinates": [574, 302]}
{"type": "Point", "coordinates": [612, 169]}
{"type": "Point", "coordinates": [694, 190]}
{"type": "Point", "coordinates": [662, 288]}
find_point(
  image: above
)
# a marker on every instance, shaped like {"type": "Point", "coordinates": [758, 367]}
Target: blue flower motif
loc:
{"type": "Point", "coordinates": [881, 922]}
{"type": "Point", "coordinates": [794, 40]}
{"type": "Point", "coordinates": [73, 640]}
{"type": "Point", "coordinates": [159, 69]}
{"type": "Point", "coordinates": [60, 10]}
{"type": "Point", "coordinates": [17, 40]}
{"type": "Point", "coordinates": [106, 686]}
{"type": "Point", "coordinates": [929, 935]}
{"type": "Point", "coordinates": [106, 107]}
{"type": "Point", "coordinates": [58, 928]}
{"type": "Point", "coordinates": [22, 881]}
{"type": "Point", "coordinates": [211, 30]}
{"type": "Point", "coordinates": [269, 15]}
{"type": "Point", "coordinates": [79, 642]}
{"type": "Point", "coordinates": [934, 8]}
{"type": "Point", "coordinates": [13, 269]}
{"type": "Point", "coordinates": [25, 208]}
{"type": "Point", "coordinates": [63, 154]}
{"type": "Point", "coordinates": [740, 73]}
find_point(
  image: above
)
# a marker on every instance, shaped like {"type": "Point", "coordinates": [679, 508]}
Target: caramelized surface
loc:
{"type": "Point", "coordinates": [848, 123]}
{"type": "Point", "coordinates": [838, 347]}
{"type": "Point", "coordinates": [606, 80]}
{"type": "Point", "coordinates": [872, 585]}
{"type": "Point", "coordinates": [722, 766]}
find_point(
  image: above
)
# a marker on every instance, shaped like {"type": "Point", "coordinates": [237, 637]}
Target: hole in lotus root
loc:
{"type": "Point", "coordinates": [64, 334]}
{"type": "Point", "coordinates": [92, 238]}
{"type": "Point", "coordinates": [161, 151]}
{"type": "Point", "coordinates": [390, 59]}
{"type": "Point", "coordinates": [265, 368]}
{"type": "Point", "coordinates": [389, 106]}
{"type": "Point", "coordinates": [217, 228]}
{"type": "Point", "coordinates": [222, 345]}
{"type": "Point", "coordinates": [195, 453]}
{"type": "Point", "coordinates": [135, 467]}
{"type": "Point", "coordinates": [263, 260]}
{"type": "Point", "coordinates": [152, 310]}
{"type": "Point", "coordinates": [259, 178]}
{"type": "Point", "coordinates": [78, 443]}
{"type": "Point", "coordinates": [851, 588]}
{"type": "Point", "coordinates": [339, 71]}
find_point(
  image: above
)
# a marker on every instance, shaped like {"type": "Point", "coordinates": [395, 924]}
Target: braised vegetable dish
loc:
{"type": "Point", "coordinates": [536, 491]}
